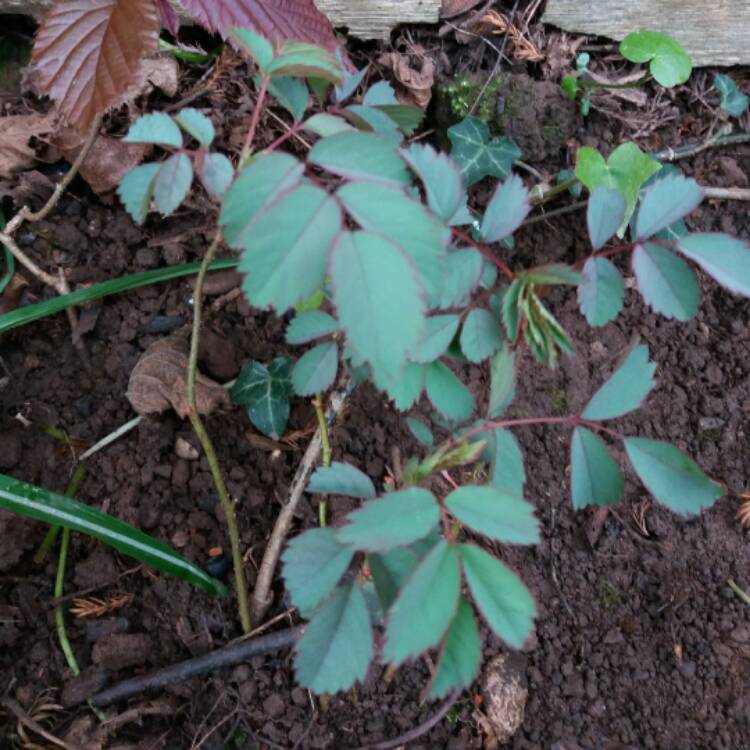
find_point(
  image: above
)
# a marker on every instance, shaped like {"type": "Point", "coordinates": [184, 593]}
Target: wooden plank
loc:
{"type": "Point", "coordinates": [716, 32]}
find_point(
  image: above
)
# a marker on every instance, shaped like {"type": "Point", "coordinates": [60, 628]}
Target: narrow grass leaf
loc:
{"type": "Point", "coordinates": [595, 479]}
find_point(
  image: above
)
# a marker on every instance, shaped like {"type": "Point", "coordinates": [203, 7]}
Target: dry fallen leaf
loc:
{"type": "Point", "coordinates": [158, 381]}
{"type": "Point", "coordinates": [493, 22]}
{"type": "Point", "coordinates": [743, 512]}
{"type": "Point", "coordinates": [414, 74]}
{"type": "Point", "coordinates": [15, 132]}
{"type": "Point", "coordinates": [453, 8]}
{"type": "Point", "coordinates": [161, 72]}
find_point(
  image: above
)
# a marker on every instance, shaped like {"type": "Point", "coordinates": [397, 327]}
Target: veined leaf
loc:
{"type": "Point", "coordinates": [551, 274]}
{"type": "Point", "coordinates": [666, 201]}
{"type": "Point", "coordinates": [313, 565]}
{"type": "Point", "coordinates": [605, 214]}
{"type": "Point", "coordinates": [341, 479]}
{"type": "Point", "coordinates": [380, 94]}
{"type": "Point", "coordinates": [595, 479]}
{"type": "Point", "coordinates": [733, 101]}
{"type": "Point", "coordinates": [420, 431]}
{"type": "Point", "coordinates": [264, 392]}
{"type": "Point", "coordinates": [349, 83]}
{"type": "Point", "coordinates": [58, 510]}
{"type": "Point", "coordinates": [337, 646]}
{"type": "Point", "coordinates": [462, 271]}
{"type": "Point", "coordinates": [172, 183]}
{"type": "Point", "coordinates": [673, 478]}
{"type": "Point", "coordinates": [506, 462]}
{"type": "Point", "coordinates": [407, 118]}
{"type": "Point", "coordinates": [316, 370]}
{"type": "Point", "coordinates": [394, 520]}
{"type": "Point", "coordinates": [476, 155]}
{"type": "Point", "coordinates": [155, 127]}
{"type": "Point", "coordinates": [502, 382]}
{"type": "Point", "coordinates": [425, 605]}
{"type": "Point", "coordinates": [669, 63]}
{"type": "Point", "coordinates": [323, 125]}
{"type": "Point", "coordinates": [511, 309]}
{"type": "Point", "coordinates": [310, 325]}
{"type": "Point", "coordinates": [371, 119]}
{"type": "Point", "coordinates": [626, 389]}
{"type": "Point", "coordinates": [438, 334]}
{"type": "Point", "coordinates": [481, 335]}
{"type": "Point", "coordinates": [601, 291]}
{"type": "Point", "coordinates": [216, 174]}
{"type": "Point", "coordinates": [136, 189]}
{"type": "Point", "coordinates": [447, 393]}
{"type": "Point", "coordinates": [406, 392]}
{"type": "Point", "coordinates": [196, 124]}
{"type": "Point", "coordinates": [254, 45]}
{"type": "Point", "coordinates": [292, 94]}
{"type": "Point", "coordinates": [725, 258]}
{"type": "Point", "coordinates": [440, 176]}
{"type": "Point", "coordinates": [506, 210]}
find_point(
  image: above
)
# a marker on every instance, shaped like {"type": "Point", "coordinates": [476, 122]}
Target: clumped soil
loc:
{"type": "Point", "coordinates": [640, 642]}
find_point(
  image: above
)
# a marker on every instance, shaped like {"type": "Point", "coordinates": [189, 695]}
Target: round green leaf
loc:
{"type": "Point", "coordinates": [341, 479]}
{"type": "Point", "coordinates": [155, 127]}
{"type": "Point", "coordinates": [669, 63]}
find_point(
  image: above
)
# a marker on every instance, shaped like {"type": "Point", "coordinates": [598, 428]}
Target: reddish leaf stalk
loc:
{"type": "Point", "coordinates": [259, 103]}
{"type": "Point", "coordinates": [571, 420]}
{"type": "Point", "coordinates": [486, 252]}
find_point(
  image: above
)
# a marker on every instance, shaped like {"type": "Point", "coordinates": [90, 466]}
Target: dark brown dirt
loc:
{"type": "Point", "coordinates": [640, 641]}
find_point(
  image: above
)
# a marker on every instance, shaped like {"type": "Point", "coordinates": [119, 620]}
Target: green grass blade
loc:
{"type": "Point", "coordinates": [58, 510]}
{"type": "Point", "coordinates": [30, 313]}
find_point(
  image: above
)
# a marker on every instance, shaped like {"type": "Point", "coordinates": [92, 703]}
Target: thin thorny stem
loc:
{"type": "Point", "coordinates": [326, 450]}
{"type": "Point", "coordinates": [208, 447]}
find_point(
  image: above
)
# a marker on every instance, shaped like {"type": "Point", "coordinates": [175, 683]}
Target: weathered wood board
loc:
{"type": "Point", "coordinates": [366, 19]}
{"type": "Point", "coordinates": [714, 32]}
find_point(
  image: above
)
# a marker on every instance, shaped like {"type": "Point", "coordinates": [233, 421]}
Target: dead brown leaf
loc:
{"type": "Point", "coordinates": [10, 298]}
{"type": "Point", "coordinates": [453, 8]}
{"type": "Point", "coordinates": [743, 512]}
{"type": "Point", "coordinates": [93, 607]}
{"type": "Point", "coordinates": [158, 381]}
{"type": "Point", "coordinates": [414, 74]}
{"type": "Point", "coordinates": [161, 72]}
{"type": "Point", "coordinates": [15, 133]}
{"type": "Point", "coordinates": [494, 22]}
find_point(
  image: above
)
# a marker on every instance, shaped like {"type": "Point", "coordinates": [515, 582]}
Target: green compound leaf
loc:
{"type": "Point", "coordinates": [502, 382]}
{"type": "Point", "coordinates": [604, 215]}
{"type": "Point", "coordinates": [387, 211]}
{"type": "Point", "coordinates": [380, 94]}
{"type": "Point", "coordinates": [341, 479]}
{"type": "Point", "coordinates": [460, 654]}
{"type": "Point", "coordinates": [420, 431]}
{"type": "Point", "coordinates": [286, 253]}
{"type": "Point", "coordinates": [264, 392]}
{"type": "Point", "coordinates": [136, 189]}
{"type": "Point", "coordinates": [666, 201]}
{"type": "Point", "coordinates": [595, 479]}
{"type": "Point", "coordinates": [394, 520]}
{"type": "Point", "coordinates": [733, 101]}
{"type": "Point", "coordinates": [626, 389]}
{"type": "Point", "coordinates": [337, 647]}
{"type": "Point", "coordinates": [379, 302]}
{"type": "Point", "coordinates": [601, 291]}
{"type": "Point", "coordinates": [157, 128]}
{"type": "Point", "coordinates": [172, 183]}
{"type": "Point", "coordinates": [216, 174]}
{"type": "Point", "coordinates": [310, 325]}
{"type": "Point", "coordinates": [725, 258]}
{"type": "Point", "coordinates": [313, 564]}
{"type": "Point", "coordinates": [669, 63]}
{"type": "Point", "coordinates": [255, 189]}
{"type": "Point", "coordinates": [511, 310]}
{"type": "Point", "coordinates": [360, 156]}
{"type": "Point", "coordinates": [481, 335]}
{"type": "Point", "coordinates": [407, 118]}
{"type": "Point", "coordinates": [506, 211]}
{"type": "Point", "coordinates": [406, 392]}
{"type": "Point", "coordinates": [255, 45]}
{"type": "Point", "coordinates": [551, 274]}
{"type": "Point", "coordinates": [292, 94]}
{"type": "Point", "coordinates": [349, 83]}
{"type": "Point", "coordinates": [666, 282]}
{"type": "Point", "coordinates": [438, 334]}
{"type": "Point", "coordinates": [463, 269]}
{"type": "Point", "coordinates": [197, 125]}
{"type": "Point", "coordinates": [476, 155]}
{"type": "Point", "coordinates": [425, 605]}
{"type": "Point", "coordinates": [316, 370]}
{"type": "Point", "coordinates": [505, 461]}
{"type": "Point", "coordinates": [372, 119]}
{"type": "Point", "coordinates": [673, 478]}
{"type": "Point", "coordinates": [57, 510]}
{"type": "Point", "coordinates": [324, 125]}
{"type": "Point", "coordinates": [302, 60]}
{"type": "Point", "coordinates": [500, 595]}
{"type": "Point", "coordinates": [447, 393]}
{"type": "Point", "coordinates": [441, 179]}
{"type": "Point", "coordinates": [495, 514]}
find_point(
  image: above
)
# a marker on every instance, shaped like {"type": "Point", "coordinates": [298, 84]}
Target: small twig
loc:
{"type": "Point", "coordinates": [555, 212]}
{"type": "Point", "coordinates": [34, 726]}
{"type": "Point", "coordinates": [727, 194]}
{"type": "Point", "coordinates": [261, 598]}
{"type": "Point", "coordinates": [326, 448]}
{"type": "Point", "coordinates": [737, 590]}
{"type": "Point", "coordinates": [108, 439]}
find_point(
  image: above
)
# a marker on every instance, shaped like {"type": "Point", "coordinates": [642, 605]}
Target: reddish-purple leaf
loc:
{"type": "Point", "coordinates": [169, 18]}
{"type": "Point", "coordinates": [88, 53]}
{"type": "Point", "coordinates": [281, 20]}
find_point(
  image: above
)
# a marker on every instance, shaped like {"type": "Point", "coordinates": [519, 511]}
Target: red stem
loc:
{"type": "Point", "coordinates": [486, 252]}
{"type": "Point", "coordinates": [259, 102]}
{"type": "Point", "coordinates": [293, 130]}
{"type": "Point", "coordinates": [571, 420]}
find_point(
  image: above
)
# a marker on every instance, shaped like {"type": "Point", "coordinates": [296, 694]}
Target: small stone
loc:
{"type": "Point", "coordinates": [185, 449]}
{"type": "Point", "coordinates": [161, 324]}
{"type": "Point", "coordinates": [505, 694]}
{"type": "Point", "coordinates": [10, 450]}
{"type": "Point", "coordinates": [180, 538]}
{"type": "Point", "coordinates": [180, 473]}
{"type": "Point", "coordinates": [84, 406]}
{"type": "Point", "coordinates": [218, 566]}
{"type": "Point", "coordinates": [240, 674]}
{"type": "Point", "coordinates": [710, 423]}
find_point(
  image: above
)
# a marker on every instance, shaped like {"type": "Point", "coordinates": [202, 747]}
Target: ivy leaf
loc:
{"type": "Point", "coordinates": [337, 647]}
{"type": "Point", "coordinates": [425, 605]}
{"type": "Point", "coordinates": [265, 392]}
{"type": "Point", "coordinates": [386, 211]}
{"type": "Point", "coordinates": [460, 654]}
{"type": "Point", "coordinates": [666, 201]}
{"type": "Point", "coordinates": [495, 514]}
{"type": "Point", "coordinates": [440, 176]}
{"type": "Point", "coordinates": [88, 56]}
{"type": "Point", "coordinates": [502, 382]}
{"type": "Point", "coordinates": [626, 389]}
{"type": "Point", "coordinates": [463, 269]}
{"type": "Point", "coordinates": [669, 63]}
{"type": "Point", "coordinates": [379, 302]}
{"type": "Point", "coordinates": [136, 189]}
{"type": "Point", "coordinates": [172, 183]}
{"type": "Point", "coordinates": [196, 124]}
{"type": "Point", "coordinates": [323, 125]}
{"type": "Point", "coordinates": [604, 215]}
{"type": "Point", "coordinates": [447, 393]}
{"type": "Point", "coordinates": [725, 258]}
{"type": "Point", "coordinates": [360, 156]}
{"type": "Point", "coordinates": [733, 101]}
{"type": "Point", "coordinates": [254, 45]}
{"type": "Point", "coordinates": [506, 210]}
{"type": "Point", "coordinates": [285, 254]}
{"type": "Point", "coordinates": [595, 479]}
{"type": "Point", "coordinates": [341, 479]}
{"type": "Point", "coordinates": [666, 282]}
{"type": "Point", "coordinates": [476, 155]}
{"type": "Point", "coordinates": [438, 334]}
{"type": "Point", "coordinates": [316, 370]}
{"type": "Point", "coordinates": [157, 128]}
{"type": "Point", "coordinates": [499, 594]}
{"type": "Point", "coordinates": [420, 431]}
{"type": "Point", "coordinates": [313, 564]}
{"type": "Point", "coordinates": [601, 291]}
{"type": "Point", "coordinates": [216, 174]}
{"type": "Point", "coordinates": [673, 478]}
{"type": "Point", "coordinates": [406, 392]}
{"type": "Point", "coordinates": [310, 325]}
{"type": "Point", "coordinates": [292, 94]}
{"type": "Point", "coordinates": [394, 520]}
{"type": "Point", "coordinates": [481, 335]}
